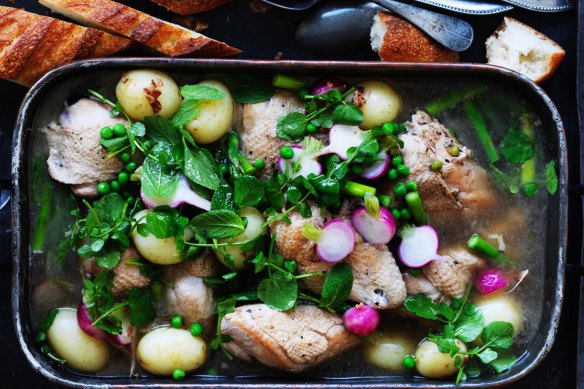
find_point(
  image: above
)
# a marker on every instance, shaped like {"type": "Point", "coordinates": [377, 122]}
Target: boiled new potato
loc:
{"type": "Point", "coordinates": [501, 308]}
{"type": "Point", "coordinates": [254, 229]}
{"type": "Point", "coordinates": [388, 351]}
{"type": "Point", "coordinates": [165, 349]}
{"type": "Point", "coordinates": [81, 351]}
{"type": "Point", "coordinates": [431, 363]}
{"type": "Point", "coordinates": [146, 92]}
{"type": "Point", "coordinates": [215, 116]}
{"type": "Point", "coordinates": [156, 250]}
{"type": "Point", "coordinates": [379, 102]}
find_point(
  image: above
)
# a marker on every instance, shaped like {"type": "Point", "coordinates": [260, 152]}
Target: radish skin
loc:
{"type": "Point", "coordinates": [419, 246]}
{"type": "Point", "coordinates": [375, 230]}
{"type": "Point", "coordinates": [334, 241]}
{"type": "Point", "coordinates": [183, 194]}
{"type": "Point", "coordinates": [490, 280]}
{"type": "Point", "coordinates": [86, 324]}
{"type": "Point", "coordinates": [378, 169]}
{"type": "Point", "coordinates": [361, 320]}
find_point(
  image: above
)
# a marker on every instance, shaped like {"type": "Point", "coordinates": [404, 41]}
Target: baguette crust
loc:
{"type": "Point", "coordinates": [189, 7]}
{"type": "Point", "coordinates": [403, 42]}
{"type": "Point", "coordinates": [31, 45]}
{"type": "Point", "coordinates": [167, 38]}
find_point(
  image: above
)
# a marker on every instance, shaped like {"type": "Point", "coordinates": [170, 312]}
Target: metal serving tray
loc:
{"type": "Point", "coordinates": [44, 101]}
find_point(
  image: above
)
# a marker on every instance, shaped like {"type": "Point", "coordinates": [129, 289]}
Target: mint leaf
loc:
{"type": "Point", "coordinates": [248, 89]}
{"type": "Point", "coordinates": [199, 166]}
{"type": "Point", "coordinates": [188, 110]}
{"type": "Point", "coordinates": [248, 191]}
{"type": "Point", "coordinates": [517, 147]}
{"type": "Point", "coordinates": [279, 291]}
{"type": "Point", "coordinates": [551, 178]}
{"type": "Point", "coordinates": [201, 92]}
{"type": "Point", "coordinates": [337, 286]}
{"type": "Point", "coordinates": [224, 198]}
{"type": "Point", "coordinates": [218, 224]}
{"type": "Point", "coordinates": [161, 129]}
{"type": "Point", "coordinates": [161, 224]}
{"type": "Point", "coordinates": [422, 306]}
{"type": "Point", "coordinates": [156, 181]}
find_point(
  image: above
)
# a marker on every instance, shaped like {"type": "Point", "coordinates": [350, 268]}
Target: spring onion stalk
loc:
{"type": "Point", "coordinates": [235, 155]}
{"type": "Point", "coordinates": [484, 249]}
{"type": "Point", "coordinates": [288, 82]}
{"type": "Point", "coordinates": [480, 127]}
{"type": "Point", "coordinates": [528, 172]}
{"type": "Point", "coordinates": [451, 99]}
{"type": "Point", "coordinates": [43, 217]}
{"type": "Point", "coordinates": [414, 203]}
{"type": "Point", "coordinates": [355, 189]}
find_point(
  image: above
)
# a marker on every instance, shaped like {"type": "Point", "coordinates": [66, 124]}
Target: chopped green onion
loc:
{"type": "Point", "coordinates": [414, 203]}
{"type": "Point", "coordinates": [454, 97]}
{"type": "Point", "coordinates": [288, 82]}
{"type": "Point", "coordinates": [472, 111]}
{"type": "Point", "coordinates": [355, 189]}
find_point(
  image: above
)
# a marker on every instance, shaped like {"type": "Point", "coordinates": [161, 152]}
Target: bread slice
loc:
{"type": "Point", "coordinates": [189, 7]}
{"type": "Point", "coordinates": [517, 46]}
{"type": "Point", "coordinates": [394, 39]}
{"type": "Point", "coordinates": [31, 45]}
{"type": "Point", "coordinates": [164, 37]}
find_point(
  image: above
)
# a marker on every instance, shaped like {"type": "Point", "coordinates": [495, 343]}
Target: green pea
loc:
{"type": "Point", "coordinates": [411, 186]}
{"type": "Point", "coordinates": [125, 157]}
{"type": "Point", "coordinates": [385, 201]}
{"type": "Point", "coordinates": [176, 321]}
{"type": "Point", "coordinates": [106, 133]}
{"type": "Point", "coordinates": [400, 189]}
{"type": "Point", "coordinates": [397, 160]}
{"type": "Point", "coordinates": [115, 185]}
{"type": "Point", "coordinates": [311, 128]}
{"type": "Point", "coordinates": [286, 152]}
{"type": "Point", "coordinates": [357, 169]}
{"type": "Point", "coordinates": [388, 128]}
{"type": "Point", "coordinates": [392, 174]}
{"type": "Point", "coordinates": [409, 362]}
{"type": "Point", "coordinates": [123, 178]}
{"type": "Point", "coordinates": [178, 374]}
{"type": "Point", "coordinates": [131, 166]}
{"type": "Point", "coordinates": [259, 164]}
{"type": "Point", "coordinates": [196, 329]}
{"type": "Point", "coordinates": [395, 213]}
{"type": "Point", "coordinates": [455, 151]}
{"type": "Point", "coordinates": [103, 188]}
{"type": "Point", "coordinates": [403, 170]}
{"type": "Point", "coordinates": [405, 214]}
{"type": "Point", "coordinates": [436, 165]}
{"type": "Point", "coordinates": [41, 336]}
{"type": "Point", "coordinates": [119, 129]}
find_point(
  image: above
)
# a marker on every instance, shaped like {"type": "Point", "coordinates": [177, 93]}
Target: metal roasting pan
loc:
{"type": "Point", "coordinates": [44, 101]}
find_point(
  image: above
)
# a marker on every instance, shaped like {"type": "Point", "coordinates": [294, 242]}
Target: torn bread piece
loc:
{"type": "Point", "coordinates": [189, 7]}
{"type": "Point", "coordinates": [395, 39]}
{"type": "Point", "coordinates": [31, 44]}
{"type": "Point", "coordinates": [517, 46]}
{"type": "Point", "coordinates": [167, 38]}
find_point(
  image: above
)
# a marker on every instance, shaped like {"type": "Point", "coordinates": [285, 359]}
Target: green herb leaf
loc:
{"type": "Point", "coordinates": [201, 92]}
{"type": "Point", "coordinates": [470, 323]}
{"type": "Point", "coordinates": [446, 311]}
{"type": "Point", "coordinates": [503, 362]}
{"type": "Point", "coordinates": [445, 345]}
{"type": "Point", "coordinates": [248, 89]}
{"type": "Point", "coordinates": [487, 355]}
{"type": "Point", "coordinates": [498, 335]}
{"type": "Point", "coordinates": [530, 189]}
{"type": "Point", "coordinates": [140, 305]}
{"type": "Point", "coordinates": [260, 261]}
{"type": "Point", "coordinates": [161, 224]}
{"type": "Point", "coordinates": [48, 322]}
{"type": "Point", "coordinates": [274, 194]}
{"type": "Point", "coordinates": [348, 114]}
{"type": "Point", "coordinates": [115, 145]}
{"type": "Point", "coordinates": [161, 129]}
{"type": "Point", "coordinates": [156, 182]}
{"type": "Point", "coordinates": [223, 198]}
{"type": "Point", "coordinates": [108, 259]}
{"type": "Point", "coordinates": [517, 147]}
{"type": "Point", "coordinates": [422, 306]}
{"type": "Point", "coordinates": [218, 224]}
{"type": "Point", "coordinates": [292, 127]}
{"type": "Point", "coordinates": [551, 178]}
{"type": "Point", "coordinates": [248, 191]}
{"type": "Point", "coordinates": [337, 286]}
{"type": "Point", "coordinates": [279, 291]}
{"type": "Point", "coordinates": [188, 110]}
{"type": "Point", "coordinates": [200, 168]}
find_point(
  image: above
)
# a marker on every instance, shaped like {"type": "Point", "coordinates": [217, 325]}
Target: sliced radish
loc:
{"type": "Point", "coordinates": [334, 241]}
{"type": "Point", "coordinates": [86, 324]}
{"type": "Point", "coordinates": [490, 280]}
{"type": "Point", "coordinates": [125, 337]}
{"type": "Point", "coordinates": [183, 194]}
{"type": "Point", "coordinates": [374, 229]}
{"type": "Point", "coordinates": [306, 161]}
{"type": "Point", "coordinates": [419, 246]}
{"type": "Point", "coordinates": [342, 138]}
{"type": "Point", "coordinates": [378, 169]}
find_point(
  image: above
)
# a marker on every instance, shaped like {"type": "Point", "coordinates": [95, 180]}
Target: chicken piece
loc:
{"type": "Point", "coordinates": [377, 281]}
{"type": "Point", "coordinates": [294, 340]}
{"type": "Point", "coordinates": [127, 276]}
{"type": "Point", "coordinates": [189, 297]}
{"type": "Point", "coordinates": [452, 274]}
{"type": "Point", "coordinates": [258, 128]}
{"type": "Point", "coordinates": [461, 187]}
{"type": "Point", "coordinates": [205, 265]}
{"type": "Point", "coordinates": [420, 284]}
{"type": "Point", "coordinates": [75, 155]}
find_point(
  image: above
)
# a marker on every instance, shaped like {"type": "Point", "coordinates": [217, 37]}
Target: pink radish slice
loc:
{"type": "Point", "coordinates": [85, 323]}
{"type": "Point", "coordinates": [490, 280]}
{"type": "Point", "coordinates": [419, 246]}
{"type": "Point", "coordinates": [324, 85]}
{"type": "Point", "coordinates": [308, 163]}
{"type": "Point", "coordinates": [125, 338]}
{"type": "Point", "coordinates": [183, 194]}
{"type": "Point", "coordinates": [342, 138]}
{"type": "Point", "coordinates": [334, 241]}
{"type": "Point", "coordinates": [361, 320]}
{"type": "Point", "coordinates": [378, 169]}
{"type": "Point", "coordinates": [375, 230]}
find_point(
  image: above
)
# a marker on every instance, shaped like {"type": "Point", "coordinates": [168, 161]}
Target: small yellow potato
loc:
{"type": "Point", "coordinates": [156, 250]}
{"type": "Point", "coordinates": [378, 101]}
{"type": "Point", "coordinates": [81, 351]}
{"type": "Point", "coordinates": [146, 92]}
{"type": "Point", "coordinates": [388, 351]}
{"type": "Point", "coordinates": [501, 307]}
{"type": "Point", "coordinates": [254, 229]}
{"type": "Point", "coordinates": [215, 116]}
{"type": "Point", "coordinates": [165, 349]}
{"type": "Point", "coordinates": [431, 363]}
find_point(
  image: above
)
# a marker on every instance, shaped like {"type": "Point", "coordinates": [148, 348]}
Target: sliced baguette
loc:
{"type": "Point", "coordinates": [394, 39]}
{"type": "Point", "coordinates": [517, 46]}
{"type": "Point", "coordinates": [164, 37]}
{"type": "Point", "coordinates": [189, 7]}
{"type": "Point", "coordinates": [31, 45]}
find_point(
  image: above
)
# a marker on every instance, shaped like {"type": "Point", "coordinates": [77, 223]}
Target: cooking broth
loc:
{"type": "Point", "coordinates": [56, 285]}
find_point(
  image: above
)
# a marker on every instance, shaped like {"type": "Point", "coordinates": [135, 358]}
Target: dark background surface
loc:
{"type": "Point", "coordinates": [263, 36]}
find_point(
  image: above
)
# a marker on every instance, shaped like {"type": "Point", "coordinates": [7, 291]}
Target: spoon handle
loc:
{"type": "Point", "coordinates": [455, 34]}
